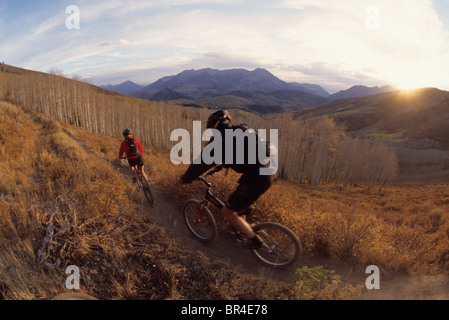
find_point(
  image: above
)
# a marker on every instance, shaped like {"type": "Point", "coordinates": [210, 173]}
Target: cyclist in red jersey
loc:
{"type": "Point", "coordinates": [133, 149]}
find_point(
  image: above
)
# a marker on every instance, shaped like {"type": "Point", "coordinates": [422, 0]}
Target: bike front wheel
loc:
{"type": "Point", "coordinates": [199, 221]}
{"type": "Point", "coordinates": [281, 247]}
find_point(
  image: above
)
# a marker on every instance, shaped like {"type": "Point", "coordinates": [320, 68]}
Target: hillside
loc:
{"type": "Point", "coordinates": [412, 124]}
{"type": "Point", "coordinates": [415, 122]}
{"type": "Point", "coordinates": [359, 91]}
{"type": "Point", "coordinates": [74, 204]}
{"type": "Point", "coordinates": [415, 111]}
{"type": "Point", "coordinates": [106, 112]}
{"type": "Point", "coordinates": [68, 201]}
{"type": "Point", "coordinates": [127, 87]}
{"type": "Point", "coordinates": [67, 204]}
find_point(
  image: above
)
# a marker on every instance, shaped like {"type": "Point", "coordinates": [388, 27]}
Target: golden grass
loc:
{"type": "Point", "coordinates": [404, 228]}
{"type": "Point", "coordinates": [60, 185]}
{"type": "Point", "coordinates": [64, 203]}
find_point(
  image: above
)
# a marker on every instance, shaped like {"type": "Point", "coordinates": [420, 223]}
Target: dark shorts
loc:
{"type": "Point", "coordinates": [247, 193]}
{"type": "Point", "coordinates": [137, 161]}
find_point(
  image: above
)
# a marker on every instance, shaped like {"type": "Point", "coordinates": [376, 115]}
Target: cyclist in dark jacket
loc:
{"type": "Point", "coordinates": [251, 184]}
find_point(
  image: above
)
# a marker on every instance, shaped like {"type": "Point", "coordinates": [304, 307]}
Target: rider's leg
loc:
{"type": "Point", "coordinates": [241, 225]}
{"type": "Point", "coordinates": [142, 169]}
{"type": "Point", "coordinates": [243, 197]}
{"type": "Point", "coordinates": [134, 172]}
{"type": "Point", "coordinates": [142, 166]}
{"type": "Point", "coordinates": [238, 222]}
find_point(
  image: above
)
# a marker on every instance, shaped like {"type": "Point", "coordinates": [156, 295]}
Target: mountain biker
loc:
{"type": "Point", "coordinates": [251, 184]}
{"type": "Point", "coordinates": [133, 149]}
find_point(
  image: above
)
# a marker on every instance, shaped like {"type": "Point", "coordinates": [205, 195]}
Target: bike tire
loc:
{"type": "Point", "coordinates": [204, 230]}
{"type": "Point", "coordinates": [147, 190]}
{"type": "Point", "coordinates": [281, 248]}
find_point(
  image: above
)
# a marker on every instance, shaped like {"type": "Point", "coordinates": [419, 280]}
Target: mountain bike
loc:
{"type": "Point", "coordinates": [144, 184]}
{"type": "Point", "coordinates": [281, 247]}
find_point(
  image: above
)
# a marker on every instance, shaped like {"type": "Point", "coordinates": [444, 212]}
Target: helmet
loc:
{"type": "Point", "coordinates": [217, 117]}
{"type": "Point", "coordinates": [126, 132]}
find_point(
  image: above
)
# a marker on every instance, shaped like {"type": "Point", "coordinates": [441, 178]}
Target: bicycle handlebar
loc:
{"type": "Point", "coordinates": [215, 170]}
{"type": "Point", "coordinates": [207, 183]}
{"type": "Point", "coordinates": [212, 172]}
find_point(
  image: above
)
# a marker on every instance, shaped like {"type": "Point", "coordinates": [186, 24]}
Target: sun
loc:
{"type": "Point", "coordinates": [414, 78]}
{"type": "Point", "coordinates": [407, 78]}
{"type": "Point", "coordinates": [409, 84]}
{"type": "Point", "coordinates": [408, 93]}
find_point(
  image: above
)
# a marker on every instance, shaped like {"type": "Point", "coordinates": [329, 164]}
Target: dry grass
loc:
{"type": "Point", "coordinates": [62, 202]}
{"type": "Point", "coordinates": [403, 229]}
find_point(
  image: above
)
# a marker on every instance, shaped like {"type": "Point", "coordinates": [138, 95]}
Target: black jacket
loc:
{"type": "Point", "coordinates": [250, 172]}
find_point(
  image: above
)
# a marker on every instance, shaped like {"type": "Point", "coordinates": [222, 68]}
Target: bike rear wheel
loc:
{"type": "Point", "coordinates": [199, 221]}
{"type": "Point", "coordinates": [281, 248]}
{"type": "Point", "coordinates": [146, 189]}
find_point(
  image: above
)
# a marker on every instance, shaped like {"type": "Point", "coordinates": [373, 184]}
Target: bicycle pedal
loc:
{"type": "Point", "coordinates": [236, 233]}
{"type": "Point", "coordinates": [240, 237]}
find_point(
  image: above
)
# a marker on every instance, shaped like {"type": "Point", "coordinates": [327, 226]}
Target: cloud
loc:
{"type": "Point", "coordinates": [409, 45]}
{"type": "Point", "coordinates": [124, 42]}
{"type": "Point", "coordinates": [319, 41]}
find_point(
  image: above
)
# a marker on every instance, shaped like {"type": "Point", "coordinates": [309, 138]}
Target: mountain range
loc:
{"type": "Point", "coordinates": [256, 90]}
{"type": "Point", "coordinates": [413, 122]}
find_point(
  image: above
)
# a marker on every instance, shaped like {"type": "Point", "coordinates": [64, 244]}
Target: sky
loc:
{"type": "Point", "coordinates": [336, 44]}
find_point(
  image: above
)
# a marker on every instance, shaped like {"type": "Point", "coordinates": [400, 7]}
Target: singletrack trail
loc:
{"type": "Point", "coordinates": [168, 215]}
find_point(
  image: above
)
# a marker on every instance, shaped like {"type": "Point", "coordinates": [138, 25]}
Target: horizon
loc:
{"type": "Point", "coordinates": [335, 45]}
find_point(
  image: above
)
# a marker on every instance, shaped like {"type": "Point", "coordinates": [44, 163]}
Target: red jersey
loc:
{"type": "Point", "coordinates": [124, 149]}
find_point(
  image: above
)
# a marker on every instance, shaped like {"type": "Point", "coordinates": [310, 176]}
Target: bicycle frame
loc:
{"type": "Point", "coordinates": [280, 248]}
{"type": "Point", "coordinates": [209, 197]}
{"type": "Point", "coordinates": [137, 171]}
{"type": "Point", "coordinates": [143, 183]}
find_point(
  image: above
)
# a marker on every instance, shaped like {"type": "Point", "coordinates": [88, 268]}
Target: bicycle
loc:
{"type": "Point", "coordinates": [144, 184]}
{"type": "Point", "coordinates": [281, 247]}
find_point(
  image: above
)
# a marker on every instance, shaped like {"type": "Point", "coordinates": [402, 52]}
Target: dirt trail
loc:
{"type": "Point", "coordinates": [168, 215]}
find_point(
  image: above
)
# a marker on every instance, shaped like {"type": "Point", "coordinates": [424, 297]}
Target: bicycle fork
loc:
{"type": "Point", "coordinates": [200, 213]}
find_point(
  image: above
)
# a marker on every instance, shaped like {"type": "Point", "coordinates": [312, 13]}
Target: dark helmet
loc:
{"type": "Point", "coordinates": [217, 117]}
{"type": "Point", "coordinates": [126, 132]}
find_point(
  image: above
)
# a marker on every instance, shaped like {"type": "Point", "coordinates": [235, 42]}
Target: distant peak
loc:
{"type": "Point", "coordinates": [261, 70]}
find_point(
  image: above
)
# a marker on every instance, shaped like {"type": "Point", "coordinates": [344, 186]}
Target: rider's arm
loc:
{"type": "Point", "coordinates": [123, 149]}
{"type": "Point", "coordinates": [139, 145]}
{"type": "Point", "coordinates": [194, 171]}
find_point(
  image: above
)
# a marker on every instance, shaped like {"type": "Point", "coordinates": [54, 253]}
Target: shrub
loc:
{"type": "Point", "coordinates": [317, 283]}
